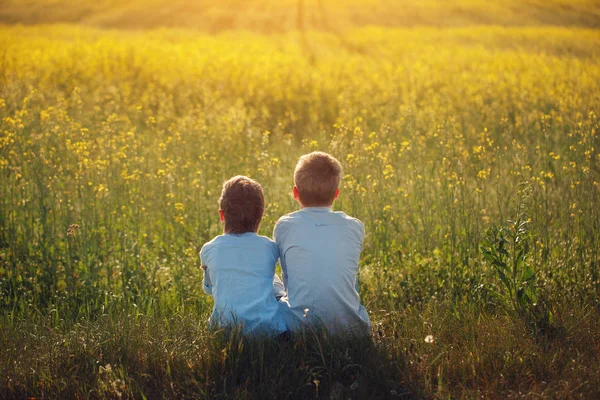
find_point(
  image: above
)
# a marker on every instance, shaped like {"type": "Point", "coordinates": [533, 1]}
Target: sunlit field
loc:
{"type": "Point", "coordinates": [471, 153]}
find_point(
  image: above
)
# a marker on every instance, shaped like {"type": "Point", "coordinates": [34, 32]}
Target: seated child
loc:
{"type": "Point", "coordinates": [319, 252]}
{"type": "Point", "coordinates": [239, 265]}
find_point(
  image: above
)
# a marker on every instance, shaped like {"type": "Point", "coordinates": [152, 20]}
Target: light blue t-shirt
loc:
{"type": "Point", "coordinates": [239, 276]}
{"type": "Point", "coordinates": [319, 253]}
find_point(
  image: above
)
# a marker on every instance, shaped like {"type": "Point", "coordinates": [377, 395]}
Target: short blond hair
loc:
{"type": "Point", "coordinates": [317, 177]}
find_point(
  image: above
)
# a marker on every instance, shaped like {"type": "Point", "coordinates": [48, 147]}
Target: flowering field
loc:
{"type": "Point", "coordinates": [472, 155]}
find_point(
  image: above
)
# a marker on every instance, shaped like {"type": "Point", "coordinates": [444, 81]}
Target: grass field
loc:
{"type": "Point", "coordinates": [470, 151]}
{"type": "Point", "coordinates": [281, 16]}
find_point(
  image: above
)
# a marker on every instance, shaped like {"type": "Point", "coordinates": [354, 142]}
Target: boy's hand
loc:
{"type": "Point", "coordinates": [203, 267]}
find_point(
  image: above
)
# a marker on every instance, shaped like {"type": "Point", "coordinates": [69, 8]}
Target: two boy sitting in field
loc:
{"type": "Point", "coordinates": [318, 250]}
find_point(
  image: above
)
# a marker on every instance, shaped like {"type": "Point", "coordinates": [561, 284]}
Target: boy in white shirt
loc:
{"type": "Point", "coordinates": [239, 265]}
{"type": "Point", "coordinates": [319, 252]}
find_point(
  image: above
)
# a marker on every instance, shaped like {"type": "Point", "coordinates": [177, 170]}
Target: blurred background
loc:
{"type": "Point", "coordinates": [284, 15]}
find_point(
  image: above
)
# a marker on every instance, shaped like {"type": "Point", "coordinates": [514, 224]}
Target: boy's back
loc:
{"type": "Point", "coordinates": [239, 265]}
{"type": "Point", "coordinates": [319, 254]}
{"type": "Point", "coordinates": [240, 270]}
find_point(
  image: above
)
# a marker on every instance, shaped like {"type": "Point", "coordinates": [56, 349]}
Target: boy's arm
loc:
{"type": "Point", "coordinates": [284, 275]}
{"type": "Point", "coordinates": [361, 233]}
{"type": "Point", "coordinates": [277, 238]}
{"type": "Point", "coordinates": [206, 282]}
{"type": "Point", "coordinates": [361, 230]}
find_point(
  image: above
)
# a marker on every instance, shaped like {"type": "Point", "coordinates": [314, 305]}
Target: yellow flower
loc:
{"type": "Point", "coordinates": [483, 174]}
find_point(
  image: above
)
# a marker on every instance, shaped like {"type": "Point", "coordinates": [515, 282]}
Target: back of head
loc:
{"type": "Point", "coordinates": [243, 204]}
{"type": "Point", "coordinates": [317, 177]}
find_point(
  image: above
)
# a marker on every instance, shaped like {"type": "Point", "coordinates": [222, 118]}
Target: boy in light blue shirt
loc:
{"type": "Point", "coordinates": [239, 265]}
{"type": "Point", "coordinates": [319, 252]}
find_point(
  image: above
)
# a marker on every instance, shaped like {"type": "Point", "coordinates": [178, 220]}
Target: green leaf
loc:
{"type": "Point", "coordinates": [503, 278]}
{"type": "Point", "coordinates": [499, 263]}
{"type": "Point", "coordinates": [528, 274]}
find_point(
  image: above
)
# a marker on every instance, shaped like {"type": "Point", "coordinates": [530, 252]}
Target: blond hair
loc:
{"type": "Point", "coordinates": [317, 177]}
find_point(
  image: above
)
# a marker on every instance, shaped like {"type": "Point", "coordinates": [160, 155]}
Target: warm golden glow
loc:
{"type": "Point", "coordinates": [283, 15]}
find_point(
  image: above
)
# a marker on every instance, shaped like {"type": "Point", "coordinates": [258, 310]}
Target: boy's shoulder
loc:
{"type": "Point", "coordinates": [211, 242]}
{"type": "Point", "coordinates": [209, 245]}
{"type": "Point", "coordinates": [230, 239]}
{"type": "Point", "coordinates": [289, 220]}
{"type": "Point", "coordinates": [302, 216]}
{"type": "Point", "coordinates": [349, 218]}
{"type": "Point", "coordinates": [233, 238]}
{"type": "Point", "coordinates": [290, 216]}
{"type": "Point", "coordinates": [353, 224]}
{"type": "Point", "coordinates": [266, 240]}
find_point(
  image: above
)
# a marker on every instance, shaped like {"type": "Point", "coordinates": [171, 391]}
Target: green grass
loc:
{"type": "Point", "coordinates": [471, 154]}
{"type": "Point", "coordinates": [129, 354]}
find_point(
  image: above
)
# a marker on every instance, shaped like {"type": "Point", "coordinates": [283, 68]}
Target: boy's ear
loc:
{"type": "Point", "coordinates": [221, 215]}
{"type": "Point", "coordinates": [296, 195]}
{"type": "Point", "coordinates": [337, 193]}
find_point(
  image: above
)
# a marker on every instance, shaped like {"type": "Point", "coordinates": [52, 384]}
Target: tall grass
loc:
{"type": "Point", "coordinates": [114, 146]}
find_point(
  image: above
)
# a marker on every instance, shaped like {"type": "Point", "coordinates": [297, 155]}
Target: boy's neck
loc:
{"type": "Point", "coordinates": [302, 207]}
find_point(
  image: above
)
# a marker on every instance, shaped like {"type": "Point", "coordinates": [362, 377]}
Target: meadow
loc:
{"type": "Point", "coordinates": [471, 154]}
{"type": "Point", "coordinates": [267, 16]}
